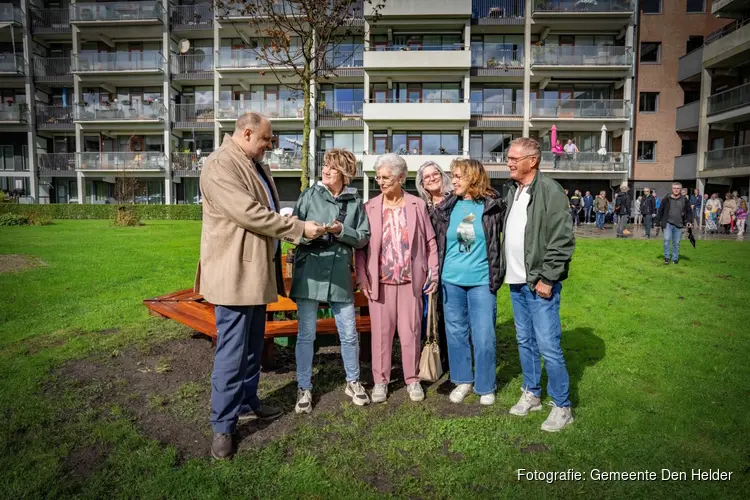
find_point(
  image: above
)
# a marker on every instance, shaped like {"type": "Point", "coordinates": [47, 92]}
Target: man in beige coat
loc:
{"type": "Point", "coordinates": [240, 270]}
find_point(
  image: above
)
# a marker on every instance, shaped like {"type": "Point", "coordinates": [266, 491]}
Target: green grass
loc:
{"type": "Point", "coordinates": [657, 356]}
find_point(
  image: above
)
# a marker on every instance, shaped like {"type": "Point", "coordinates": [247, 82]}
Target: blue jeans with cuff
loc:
{"type": "Point", "coordinates": [672, 234]}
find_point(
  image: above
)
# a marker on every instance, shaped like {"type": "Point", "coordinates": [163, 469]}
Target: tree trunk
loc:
{"type": "Point", "coordinates": [304, 178]}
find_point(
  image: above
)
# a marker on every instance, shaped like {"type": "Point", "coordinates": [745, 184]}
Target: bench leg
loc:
{"type": "Point", "coordinates": [268, 361]}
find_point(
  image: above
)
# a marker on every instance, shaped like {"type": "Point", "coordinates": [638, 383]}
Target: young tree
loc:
{"type": "Point", "coordinates": [300, 43]}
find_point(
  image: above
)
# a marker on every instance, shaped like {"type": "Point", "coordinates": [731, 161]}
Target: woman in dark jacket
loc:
{"type": "Point", "coordinates": [468, 224]}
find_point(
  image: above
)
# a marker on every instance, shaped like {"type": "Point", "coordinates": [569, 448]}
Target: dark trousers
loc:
{"type": "Point", "coordinates": [647, 221]}
{"type": "Point", "coordinates": [234, 381]}
{"type": "Point", "coordinates": [574, 216]}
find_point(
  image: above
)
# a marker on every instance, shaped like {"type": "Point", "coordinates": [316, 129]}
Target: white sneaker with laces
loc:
{"type": "Point", "coordinates": [487, 399]}
{"type": "Point", "coordinates": [379, 393]}
{"type": "Point", "coordinates": [415, 391]}
{"type": "Point", "coordinates": [304, 401]}
{"type": "Point", "coordinates": [358, 394]}
{"type": "Point", "coordinates": [527, 403]}
{"type": "Point", "coordinates": [558, 418]}
{"type": "Point", "coordinates": [460, 392]}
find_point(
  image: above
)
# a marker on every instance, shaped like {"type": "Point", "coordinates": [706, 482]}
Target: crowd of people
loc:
{"type": "Point", "coordinates": [445, 244]}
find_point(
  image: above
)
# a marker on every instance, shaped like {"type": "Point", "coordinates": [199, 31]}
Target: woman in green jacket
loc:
{"type": "Point", "coordinates": [323, 271]}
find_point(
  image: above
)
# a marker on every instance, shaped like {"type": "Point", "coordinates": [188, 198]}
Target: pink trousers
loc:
{"type": "Point", "coordinates": [396, 308]}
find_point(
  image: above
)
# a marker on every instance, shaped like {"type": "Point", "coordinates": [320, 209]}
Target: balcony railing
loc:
{"type": "Point", "coordinates": [423, 47]}
{"type": "Point", "coordinates": [147, 160]}
{"type": "Point", "coordinates": [726, 30]}
{"type": "Point", "coordinates": [498, 9]}
{"type": "Point", "coordinates": [282, 159]}
{"type": "Point", "coordinates": [736, 97]}
{"type": "Point", "coordinates": [415, 100]}
{"type": "Point", "coordinates": [496, 55]}
{"type": "Point", "coordinates": [118, 61]}
{"type": "Point", "coordinates": [51, 116]}
{"type": "Point", "coordinates": [581, 108]}
{"type": "Point", "coordinates": [199, 16]}
{"type": "Point", "coordinates": [15, 112]}
{"type": "Point", "coordinates": [10, 13]}
{"type": "Point", "coordinates": [193, 113]}
{"type": "Point", "coordinates": [121, 111]}
{"type": "Point", "coordinates": [115, 11]}
{"type": "Point", "coordinates": [187, 162]}
{"type": "Point", "coordinates": [192, 63]}
{"type": "Point", "coordinates": [51, 21]}
{"type": "Point", "coordinates": [340, 109]}
{"type": "Point", "coordinates": [344, 59]}
{"type": "Point", "coordinates": [738, 156]}
{"type": "Point", "coordinates": [499, 158]}
{"type": "Point", "coordinates": [490, 108]}
{"type": "Point", "coordinates": [238, 10]}
{"type": "Point", "coordinates": [52, 68]}
{"type": "Point", "coordinates": [57, 162]}
{"type": "Point", "coordinates": [231, 110]}
{"type": "Point", "coordinates": [564, 6]}
{"type": "Point", "coordinates": [587, 161]}
{"type": "Point", "coordinates": [12, 64]}
{"type": "Point", "coordinates": [581, 55]}
{"type": "Point", "coordinates": [248, 58]}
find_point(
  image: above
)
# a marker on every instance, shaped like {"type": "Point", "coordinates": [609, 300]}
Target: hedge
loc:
{"type": "Point", "coordinates": [76, 211]}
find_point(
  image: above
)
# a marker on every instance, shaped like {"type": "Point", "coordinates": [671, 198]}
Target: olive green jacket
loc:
{"type": "Point", "coordinates": [549, 242]}
{"type": "Point", "coordinates": [325, 274]}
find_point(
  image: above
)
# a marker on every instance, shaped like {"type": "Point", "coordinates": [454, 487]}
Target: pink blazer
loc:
{"type": "Point", "coordinates": [421, 237]}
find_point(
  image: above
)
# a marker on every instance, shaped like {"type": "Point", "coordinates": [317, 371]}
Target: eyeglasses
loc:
{"type": "Point", "coordinates": [516, 160]}
{"type": "Point", "coordinates": [432, 177]}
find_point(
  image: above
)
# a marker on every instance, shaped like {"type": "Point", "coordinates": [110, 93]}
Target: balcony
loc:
{"type": "Point", "coordinates": [498, 12]}
{"type": "Point", "coordinates": [10, 13]}
{"type": "Point", "coordinates": [340, 114]}
{"type": "Point", "coordinates": [345, 63]}
{"type": "Point", "coordinates": [125, 110]}
{"type": "Point", "coordinates": [187, 164]}
{"type": "Point", "coordinates": [192, 17]}
{"type": "Point", "coordinates": [56, 164]}
{"type": "Point", "coordinates": [688, 117]}
{"type": "Point", "coordinates": [416, 160]}
{"type": "Point", "coordinates": [566, 56]}
{"type": "Point", "coordinates": [422, 9]}
{"type": "Point", "coordinates": [418, 57]}
{"type": "Point", "coordinates": [239, 10]}
{"type": "Point", "coordinates": [730, 106]}
{"type": "Point", "coordinates": [574, 7]}
{"type": "Point", "coordinates": [12, 65]}
{"type": "Point", "coordinates": [494, 114]}
{"type": "Point", "coordinates": [51, 117]}
{"type": "Point", "coordinates": [231, 110]}
{"type": "Point", "coordinates": [14, 113]}
{"type": "Point", "coordinates": [729, 158]}
{"type": "Point", "coordinates": [52, 70]}
{"type": "Point", "coordinates": [729, 8]}
{"type": "Point", "coordinates": [122, 162]}
{"type": "Point", "coordinates": [690, 66]}
{"type": "Point", "coordinates": [586, 162]}
{"type": "Point", "coordinates": [282, 159]}
{"type": "Point", "coordinates": [50, 21]}
{"type": "Point", "coordinates": [685, 166]}
{"type": "Point", "coordinates": [496, 59]}
{"type": "Point", "coordinates": [193, 115]}
{"type": "Point", "coordinates": [116, 12]}
{"type": "Point", "coordinates": [117, 62]}
{"type": "Point", "coordinates": [246, 59]}
{"type": "Point", "coordinates": [593, 109]}
{"type": "Point", "coordinates": [728, 46]}
{"type": "Point", "coordinates": [425, 110]}
{"type": "Point", "coordinates": [192, 66]}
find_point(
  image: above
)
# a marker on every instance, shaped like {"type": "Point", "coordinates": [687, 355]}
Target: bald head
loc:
{"type": "Point", "coordinates": [253, 133]}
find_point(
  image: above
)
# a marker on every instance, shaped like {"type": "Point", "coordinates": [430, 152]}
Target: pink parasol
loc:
{"type": "Point", "coordinates": [553, 133]}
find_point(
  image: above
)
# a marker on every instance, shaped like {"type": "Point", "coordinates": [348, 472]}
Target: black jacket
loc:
{"type": "Point", "coordinates": [648, 206]}
{"type": "Point", "coordinates": [492, 224]}
{"type": "Point", "coordinates": [622, 204]}
{"type": "Point", "coordinates": [686, 214]}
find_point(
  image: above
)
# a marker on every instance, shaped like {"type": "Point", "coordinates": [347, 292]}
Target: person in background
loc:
{"type": "Point", "coordinates": [394, 270]}
{"type": "Point", "coordinates": [674, 214]}
{"type": "Point", "coordinates": [714, 203]}
{"type": "Point", "coordinates": [600, 205]}
{"type": "Point", "coordinates": [622, 209]}
{"type": "Point", "coordinates": [322, 271]}
{"type": "Point", "coordinates": [637, 217]}
{"type": "Point", "coordinates": [684, 192]}
{"type": "Point", "coordinates": [570, 153]}
{"type": "Point", "coordinates": [558, 151]}
{"type": "Point", "coordinates": [648, 210]}
{"type": "Point", "coordinates": [468, 227]}
{"type": "Point", "coordinates": [726, 219]}
{"type": "Point", "coordinates": [696, 206]}
{"type": "Point", "coordinates": [575, 208]}
{"type": "Point", "coordinates": [741, 215]}
{"type": "Point", "coordinates": [588, 207]}
{"type": "Point", "coordinates": [657, 202]}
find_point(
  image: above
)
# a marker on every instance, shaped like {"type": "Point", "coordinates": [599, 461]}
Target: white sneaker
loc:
{"type": "Point", "coordinates": [415, 391]}
{"type": "Point", "coordinates": [358, 394]}
{"type": "Point", "coordinates": [460, 392]}
{"type": "Point", "coordinates": [487, 399]}
{"type": "Point", "coordinates": [558, 418]}
{"type": "Point", "coordinates": [379, 393]}
{"type": "Point", "coordinates": [304, 402]}
{"type": "Point", "coordinates": [527, 403]}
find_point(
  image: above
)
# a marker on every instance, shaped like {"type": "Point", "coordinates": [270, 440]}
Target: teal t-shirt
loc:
{"type": "Point", "coordinates": [465, 261]}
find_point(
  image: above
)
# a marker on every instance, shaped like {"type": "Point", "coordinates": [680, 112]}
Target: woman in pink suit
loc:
{"type": "Point", "coordinates": [399, 264]}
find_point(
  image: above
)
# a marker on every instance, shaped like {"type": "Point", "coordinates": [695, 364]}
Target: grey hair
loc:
{"type": "Point", "coordinates": [394, 162]}
{"type": "Point", "coordinates": [624, 187]}
{"type": "Point", "coordinates": [447, 184]}
{"type": "Point", "coordinates": [677, 184]}
{"type": "Point", "coordinates": [250, 120]}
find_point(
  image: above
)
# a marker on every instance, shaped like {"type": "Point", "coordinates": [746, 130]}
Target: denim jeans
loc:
{"type": "Point", "coordinates": [234, 380]}
{"type": "Point", "coordinates": [470, 313]}
{"type": "Point", "coordinates": [647, 222]}
{"type": "Point", "coordinates": [538, 331]}
{"type": "Point", "coordinates": [672, 235]}
{"type": "Point", "coordinates": [600, 220]}
{"type": "Point", "coordinates": [345, 316]}
{"type": "Point", "coordinates": [587, 214]}
{"type": "Point", "coordinates": [622, 221]}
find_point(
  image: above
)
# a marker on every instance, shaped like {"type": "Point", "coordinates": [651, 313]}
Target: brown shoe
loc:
{"type": "Point", "coordinates": [222, 447]}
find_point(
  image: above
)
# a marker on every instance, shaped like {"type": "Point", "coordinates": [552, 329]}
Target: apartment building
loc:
{"type": "Point", "coordinates": [110, 101]}
{"type": "Point", "coordinates": [671, 36]}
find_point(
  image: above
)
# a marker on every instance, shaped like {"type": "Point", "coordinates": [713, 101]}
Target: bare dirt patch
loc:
{"type": "Point", "coordinates": [81, 462]}
{"type": "Point", "coordinates": [15, 263]}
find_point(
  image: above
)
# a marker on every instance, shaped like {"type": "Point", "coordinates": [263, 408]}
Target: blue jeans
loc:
{"type": "Point", "coordinates": [234, 381]}
{"type": "Point", "coordinates": [307, 315]}
{"type": "Point", "coordinates": [538, 331]}
{"type": "Point", "coordinates": [672, 235]}
{"type": "Point", "coordinates": [600, 220]}
{"type": "Point", "coordinates": [587, 214]}
{"type": "Point", "coordinates": [470, 313]}
{"type": "Point", "coordinates": [648, 221]}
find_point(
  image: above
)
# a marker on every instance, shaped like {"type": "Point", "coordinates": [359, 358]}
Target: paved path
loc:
{"type": "Point", "coordinates": [610, 231]}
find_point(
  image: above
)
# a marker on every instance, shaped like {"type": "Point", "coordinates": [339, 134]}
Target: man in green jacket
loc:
{"type": "Point", "coordinates": [537, 246]}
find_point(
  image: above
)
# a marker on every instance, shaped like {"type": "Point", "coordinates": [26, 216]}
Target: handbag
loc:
{"type": "Point", "coordinates": [430, 368]}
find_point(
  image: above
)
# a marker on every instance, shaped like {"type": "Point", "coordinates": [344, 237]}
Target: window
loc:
{"type": "Point", "coordinates": [689, 147]}
{"type": "Point", "coordinates": [695, 6]}
{"type": "Point", "coordinates": [650, 52]}
{"type": "Point", "coordinates": [651, 6]}
{"type": "Point", "coordinates": [646, 150]}
{"type": "Point", "coordinates": [649, 102]}
{"type": "Point", "coordinates": [694, 42]}
{"type": "Point", "coordinates": [692, 96]}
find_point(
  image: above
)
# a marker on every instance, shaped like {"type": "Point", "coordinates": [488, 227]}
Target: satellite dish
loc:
{"type": "Point", "coordinates": [184, 46]}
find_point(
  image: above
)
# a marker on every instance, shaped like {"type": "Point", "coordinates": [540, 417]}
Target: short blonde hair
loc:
{"type": "Point", "coordinates": [479, 181]}
{"type": "Point", "coordinates": [342, 161]}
